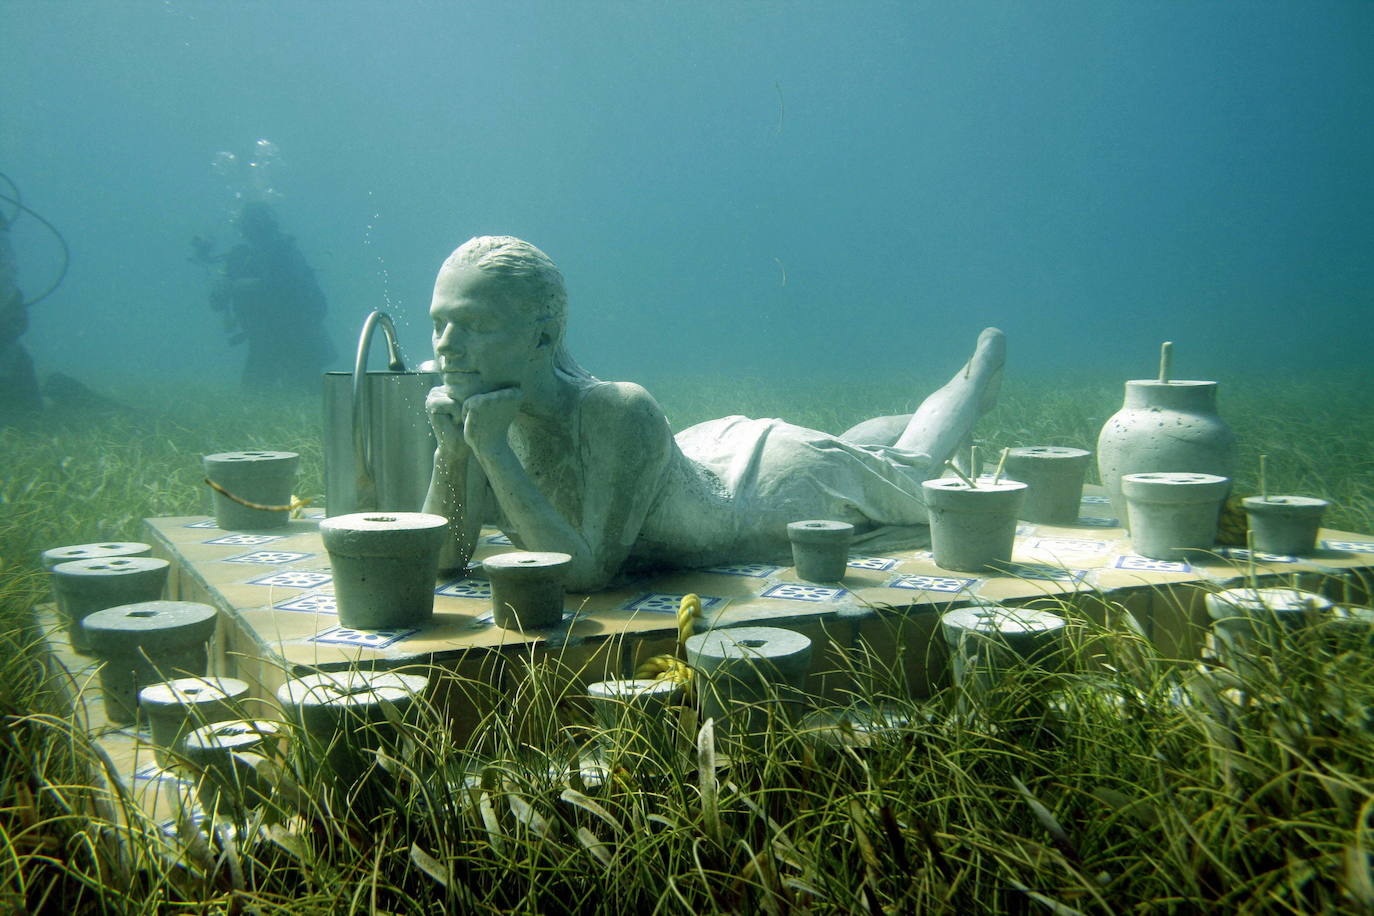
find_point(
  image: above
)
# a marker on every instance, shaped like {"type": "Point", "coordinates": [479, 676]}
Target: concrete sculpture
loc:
{"type": "Point", "coordinates": [564, 462]}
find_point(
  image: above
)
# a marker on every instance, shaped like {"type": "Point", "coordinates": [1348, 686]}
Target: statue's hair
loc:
{"type": "Point", "coordinates": [516, 261]}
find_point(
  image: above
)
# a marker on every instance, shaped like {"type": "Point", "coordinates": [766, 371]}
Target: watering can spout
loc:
{"type": "Point", "coordinates": [393, 350]}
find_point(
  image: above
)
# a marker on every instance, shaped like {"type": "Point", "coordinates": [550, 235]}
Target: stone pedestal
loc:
{"type": "Point", "coordinates": [984, 639]}
{"type": "Point", "coordinates": [1249, 622]}
{"type": "Point", "coordinates": [177, 707]}
{"type": "Point", "coordinates": [343, 716]}
{"type": "Point", "coordinates": [224, 756]}
{"type": "Point", "coordinates": [103, 549]}
{"type": "Point", "coordinates": [83, 587]}
{"type": "Point", "coordinates": [745, 675]}
{"type": "Point", "coordinates": [820, 549]}
{"type": "Point", "coordinates": [527, 588]}
{"type": "Point", "coordinates": [261, 477]}
{"type": "Point", "coordinates": [144, 644]}
{"type": "Point", "coordinates": [633, 716]}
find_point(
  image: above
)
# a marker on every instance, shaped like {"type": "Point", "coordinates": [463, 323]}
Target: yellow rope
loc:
{"type": "Point", "coordinates": [672, 667]}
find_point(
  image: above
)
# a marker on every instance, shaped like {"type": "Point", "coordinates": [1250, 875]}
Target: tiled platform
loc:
{"type": "Point", "coordinates": [277, 615]}
{"type": "Point", "coordinates": [278, 606]}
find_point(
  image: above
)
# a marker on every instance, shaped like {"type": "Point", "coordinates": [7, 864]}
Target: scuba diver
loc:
{"type": "Point", "coordinates": [20, 396]}
{"type": "Point", "coordinates": [270, 300]}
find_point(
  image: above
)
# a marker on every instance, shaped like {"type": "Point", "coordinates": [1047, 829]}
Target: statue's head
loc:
{"type": "Point", "coordinates": [521, 284]}
{"type": "Point", "coordinates": [531, 280]}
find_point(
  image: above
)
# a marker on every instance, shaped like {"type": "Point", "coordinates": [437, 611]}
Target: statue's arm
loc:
{"type": "Point", "coordinates": [624, 450]}
{"type": "Point", "coordinates": [458, 492]}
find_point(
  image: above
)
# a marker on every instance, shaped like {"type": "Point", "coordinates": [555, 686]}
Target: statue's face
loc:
{"type": "Point", "coordinates": [484, 337]}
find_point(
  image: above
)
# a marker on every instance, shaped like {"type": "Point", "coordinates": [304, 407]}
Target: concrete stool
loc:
{"type": "Point", "coordinates": [833, 729]}
{"type": "Point", "coordinates": [983, 639]}
{"type": "Point", "coordinates": [633, 716]}
{"type": "Point", "coordinates": [83, 587]}
{"type": "Point", "coordinates": [54, 555]}
{"type": "Point", "coordinates": [343, 716]}
{"type": "Point", "coordinates": [527, 588]}
{"type": "Point", "coordinates": [225, 756]}
{"type": "Point", "coordinates": [262, 477]}
{"type": "Point", "coordinates": [145, 643]}
{"type": "Point", "coordinates": [176, 708]}
{"type": "Point", "coordinates": [1249, 622]}
{"type": "Point", "coordinates": [746, 673]}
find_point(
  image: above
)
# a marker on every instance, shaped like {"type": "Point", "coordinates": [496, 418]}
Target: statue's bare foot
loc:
{"type": "Point", "coordinates": [947, 417]}
{"type": "Point", "coordinates": [984, 368]}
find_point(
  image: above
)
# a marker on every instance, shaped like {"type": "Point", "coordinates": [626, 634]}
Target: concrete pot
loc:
{"type": "Point", "coordinates": [1053, 476]}
{"type": "Point", "coordinates": [1172, 513]}
{"type": "Point", "coordinates": [527, 588]}
{"type": "Point", "coordinates": [144, 644]}
{"type": "Point", "coordinates": [260, 477]}
{"type": "Point", "coordinates": [632, 715]}
{"type": "Point", "coordinates": [177, 707]}
{"type": "Point", "coordinates": [83, 587]}
{"type": "Point", "coordinates": [385, 565]}
{"type": "Point", "coordinates": [820, 549]}
{"type": "Point", "coordinates": [1284, 525]}
{"type": "Point", "coordinates": [986, 638]}
{"type": "Point", "coordinates": [1248, 622]}
{"type": "Point", "coordinates": [343, 717]}
{"type": "Point", "coordinates": [747, 674]}
{"type": "Point", "coordinates": [1164, 426]}
{"type": "Point", "coordinates": [225, 756]}
{"type": "Point", "coordinates": [971, 529]}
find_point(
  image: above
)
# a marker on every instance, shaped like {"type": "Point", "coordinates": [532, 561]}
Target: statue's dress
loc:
{"type": "Point", "coordinates": [733, 484]}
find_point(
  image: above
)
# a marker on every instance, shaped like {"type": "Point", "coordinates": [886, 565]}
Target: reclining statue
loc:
{"type": "Point", "coordinates": [562, 461]}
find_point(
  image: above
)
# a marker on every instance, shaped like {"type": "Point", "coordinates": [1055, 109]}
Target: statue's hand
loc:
{"type": "Point", "coordinates": [446, 418]}
{"type": "Point", "coordinates": [487, 417]}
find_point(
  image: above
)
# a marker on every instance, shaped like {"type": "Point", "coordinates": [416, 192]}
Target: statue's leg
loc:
{"type": "Point", "coordinates": [946, 418]}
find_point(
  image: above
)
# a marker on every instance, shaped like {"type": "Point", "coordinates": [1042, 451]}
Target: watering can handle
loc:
{"type": "Point", "coordinates": [362, 412]}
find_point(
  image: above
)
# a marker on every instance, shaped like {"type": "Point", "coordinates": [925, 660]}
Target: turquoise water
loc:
{"type": "Point", "coordinates": [727, 186]}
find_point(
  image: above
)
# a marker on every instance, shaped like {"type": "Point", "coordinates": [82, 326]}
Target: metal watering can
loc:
{"type": "Point", "coordinates": [378, 446]}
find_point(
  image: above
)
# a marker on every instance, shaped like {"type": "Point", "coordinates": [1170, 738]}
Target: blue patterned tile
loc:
{"type": "Point", "coordinates": [499, 540]}
{"type": "Point", "coordinates": [800, 591]}
{"type": "Point", "coordinates": [1095, 500]}
{"type": "Point", "coordinates": [1068, 545]}
{"type": "Point", "coordinates": [1092, 521]}
{"type": "Point", "coordinates": [660, 603]}
{"type": "Point", "coordinates": [1145, 564]}
{"type": "Point", "coordinates": [1041, 571]}
{"type": "Point", "coordinates": [268, 557]}
{"type": "Point", "coordinates": [245, 540]}
{"type": "Point", "coordinates": [1024, 529]}
{"type": "Point", "coordinates": [1240, 553]}
{"type": "Point", "coordinates": [878, 563]}
{"type": "Point", "coordinates": [311, 603]}
{"type": "Point", "coordinates": [1349, 546]}
{"type": "Point", "coordinates": [466, 588]}
{"type": "Point", "coordinates": [950, 584]}
{"type": "Point", "coordinates": [151, 772]}
{"type": "Point", "coordinates": [753, 570]}
{"type": "Point", "coordinates": [293, 578]}
{"type": "Point", "coordinates": [370, 639]}
{"type": "Point", "coordinates": [203, 523]}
